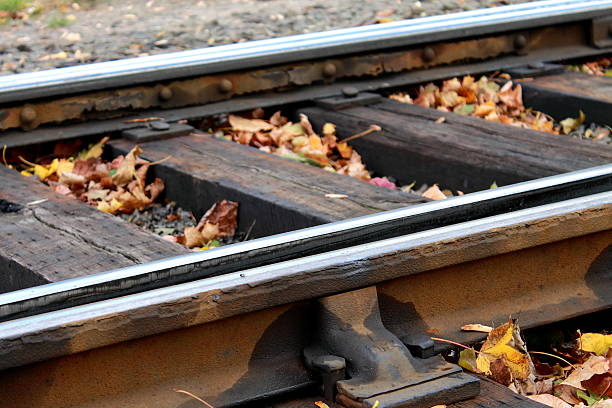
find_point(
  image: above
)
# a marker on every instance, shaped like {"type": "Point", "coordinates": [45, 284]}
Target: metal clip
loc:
{"type": "Point", "coordinates": [379, 366]}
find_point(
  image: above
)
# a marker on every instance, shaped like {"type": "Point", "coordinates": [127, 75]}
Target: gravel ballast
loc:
{"type": "Point", "coordinates": [64, 34]}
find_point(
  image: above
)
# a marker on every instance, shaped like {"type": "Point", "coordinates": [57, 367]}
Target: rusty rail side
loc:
{"type": "Point", "coordinates": [240, 336]}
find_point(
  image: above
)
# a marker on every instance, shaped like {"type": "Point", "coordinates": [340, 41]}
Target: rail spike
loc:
{"type": "Point", "coordinates": [379, 366]}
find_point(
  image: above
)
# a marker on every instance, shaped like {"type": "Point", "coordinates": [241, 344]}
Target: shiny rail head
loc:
{"type": "Point", "coordinates": [293, 268]}
{"type": "Point", "coordinates": [293, 242]}
{"type": "Point", "coordinates": [260, 53]}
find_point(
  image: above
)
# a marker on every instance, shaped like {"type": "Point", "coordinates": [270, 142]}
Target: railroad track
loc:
{"type": "Point", "coordinates": [337, 295]}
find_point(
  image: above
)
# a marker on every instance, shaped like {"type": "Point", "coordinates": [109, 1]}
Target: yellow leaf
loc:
{"type": "Point", "coordinates": [45, 171]}
{"type": "Point", "coordinates": [26, 173]}
{"type": "Point", "coordinates": [64, 165]}
{"type": "Point", "coordinates": [596, 343]}
{"type": "Point", "coordinates": [95, 150]}
{"type": "Point", "coordinates": [467, 360]}
{"type": "Point", "coordinates": [111, 207]}
{"type": "Point", "coordinates": [329, 129]}
{"type": "Point", "coordinates": [345, 150]}
{"type": "Point", "coordinates": [505, 342]}
{"type": "Point", "coordinates": [321, 404]}
{"type": "Point", "coordinates": [571, 124]}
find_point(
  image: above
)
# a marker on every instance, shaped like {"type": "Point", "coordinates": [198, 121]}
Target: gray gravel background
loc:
{"type": "Point", "coordinates": [63, 33]}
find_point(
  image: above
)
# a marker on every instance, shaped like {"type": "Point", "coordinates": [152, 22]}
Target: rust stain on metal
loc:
{"type": "Point", "coordinates": [542, 283]}
{"type": "Point", "coordinates": [213, 88]}
{"type": "Point", "coordinates": [207, 360]}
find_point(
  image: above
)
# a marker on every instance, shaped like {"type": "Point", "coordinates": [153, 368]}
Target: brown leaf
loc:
{"type": "Point", "coordinates": [567, 394]}
{"type": "Point", "coordinates": [224, 214]}
{"type": "Point", "coordinates": [594, 365]}
{"type": "Point", "coordinates": [549, 400]}
{"type": "Point", "coordinates": [126, 171]}
{"type": "Point", "coordinates": [600, 384]}
{"type": "Point", "coordinates": [511, 97]}
{"type": "Point", "coordinates": [239, 123]}
{"type": "Point", "coordinates": [278, 120]}
{"type": "Point", "coordinates": [209, 232]}
{"type": "Point", "coordinates": [193, 237]}
{"type": "Point", "coordinates": [74, 182]}
{"type": "Point", "coordinates": [155, 188]}
{"type": "Point", "coordinates": [500, 372]}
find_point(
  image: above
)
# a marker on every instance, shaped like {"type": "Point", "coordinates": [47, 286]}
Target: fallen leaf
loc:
{"type": "Point", "coordinates": [595, 343]}
{"type": "Point", "coordinates": [594, 365]}
{"type": "Point", "coordinates": [321, 404]}
{"type": "Point", "coordinates": [549, 400]}
{"type": "Point", "coordinates": [126, 171]}
{"type": "Point", "coordinates": [383, 182]}
{"type": "Point", "coordinates": [248, 125]}
{"type": "Point", "coordinates": [434, 193]}
{"type": "Point", "coordinates": [570, 124]}
{"type": "Point", "coordinates": [95, 151]}
{"type": "Point", "coordinates": [467, 360]}
{"type": "Point", "coordinates": [505, 342]}
{"type": "Point", "coordinates": [224, 214]}
{"type": "Point", "coordinates": [476, 327]}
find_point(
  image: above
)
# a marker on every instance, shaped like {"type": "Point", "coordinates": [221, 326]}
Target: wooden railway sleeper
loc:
{"type": "Point", "coordinates": [361, 362]}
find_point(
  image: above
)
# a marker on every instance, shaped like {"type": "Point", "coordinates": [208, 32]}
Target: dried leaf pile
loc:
{"type": "Point", "coordinates": [120, 187]}
{"type": "Point", "coordinates": [296, 141]}
{"type": "Point", "coordinates": [488, 100]}
{"type": "Point", "coordinates": [114, 187]}
{"type": "Point", "coordinates": [601, 67]}
{"type": "Point", "coordinates": [504, 358]}
{"type": "Point", "coordinates": [299, 142]}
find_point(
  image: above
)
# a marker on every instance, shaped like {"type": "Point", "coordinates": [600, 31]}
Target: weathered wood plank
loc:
{"type": "Point", "coordinates": [277, 194]}
{"type": "Point", "coordinates": [463, 153]}
{"type": "Point", "coordinates": [64, 238]}
{"type": "Point", "coordinates": [566, 94]}
{"type": "Point", "coordinates": [494, 395]}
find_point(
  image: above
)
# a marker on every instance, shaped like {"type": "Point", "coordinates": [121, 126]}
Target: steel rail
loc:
{"type": "Point", "coordinates": [215, 298]}
{"type": "Point", "coordinates": [309, 241]}
{"type": "Point", "coordinates": [253, 54]}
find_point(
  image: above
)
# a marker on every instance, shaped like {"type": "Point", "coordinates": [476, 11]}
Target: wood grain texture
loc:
{"type": "Point", "coordinates": [277, 194]}
{"type": "Point", "coordinates": [494, 395]}
{"type": "Point", "coordinates": [462, 153]}
{"type": "Point", "coordinates": [64, 238]}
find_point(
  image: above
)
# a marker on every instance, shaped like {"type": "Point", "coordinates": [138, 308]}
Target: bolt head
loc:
{"type": "Point", "coordinates": [428, 54]}
{"type": "Point", "coordinates": [350, 92]}
{"type": "Point", "coordinates": [520, 42]}
{"type": "Point", "coordinates": [27, 115]}
{"type": "Point", "coordinates": [159, 125]}
{"type": "Point", "coordinates": [329, 69]}
{"type": "Point", "coordinates": [226, 85]}
{"type": "Point", "coordinates": [165, 94]}
{"type": "Point", "coordinates": [536, 65]}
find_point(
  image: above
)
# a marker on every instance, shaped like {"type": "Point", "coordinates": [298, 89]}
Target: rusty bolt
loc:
{"type": "Point", "coordinates": [226, 85]}
{"type": "Point", "coordinates": [329, 69]}
{"type": "Point", "coordinates": [27, 115]}
{"type": "Point", "coordinates": [165, 94]}
{"type": "Point", "coordinates": [520, 42]}
{"type": "Point", "coordinates": [429, 54]}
